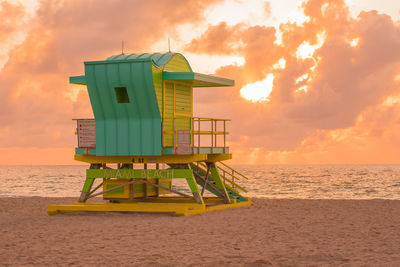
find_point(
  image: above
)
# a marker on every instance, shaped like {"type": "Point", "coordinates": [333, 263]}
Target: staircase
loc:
{"type": "Point", "coordinates": [227, 174]}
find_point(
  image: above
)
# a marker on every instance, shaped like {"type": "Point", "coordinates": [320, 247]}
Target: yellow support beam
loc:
{"type": "Point", "coordinates": [180, 209]}
{"type": "Point", "coordinates": [218, 157]}
{"type": "Point", "coordinates": [175, 159]}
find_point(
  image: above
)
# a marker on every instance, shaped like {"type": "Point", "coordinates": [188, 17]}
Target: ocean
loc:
{"type": "Point", "coordinates": [265, 181]}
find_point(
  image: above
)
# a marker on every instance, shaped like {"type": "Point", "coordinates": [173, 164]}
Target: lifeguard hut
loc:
{"type": "Point", "coordinates": [144, 125]}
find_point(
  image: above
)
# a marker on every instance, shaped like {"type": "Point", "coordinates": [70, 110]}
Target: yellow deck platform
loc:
{"type": "Point", "coordinates": [179, 206]}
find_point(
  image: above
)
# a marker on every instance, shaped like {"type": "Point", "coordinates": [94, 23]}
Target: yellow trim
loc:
{"type": "Point", "coordinates": [209, 119]}
{"type": "Point", "coordinates": [173, 199]}
{"type": "Point", "coordinates": [218, 157]}
{"type": "Point", "coordinates": [153, 159]}
{"type": "Point", "coordinates": [75, 119]}
{"type": "Point", "coordinates": [180, 82]}
{"type": "Point", "coordinates": [143, 159]}
{"type": "Point", "coordinates": [180, 114]}
{"type": "Point", "coordinates": [201, 132]}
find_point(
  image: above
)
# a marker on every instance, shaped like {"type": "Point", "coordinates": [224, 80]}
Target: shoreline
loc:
{"type": "Point", "coordinates": [272, 232]}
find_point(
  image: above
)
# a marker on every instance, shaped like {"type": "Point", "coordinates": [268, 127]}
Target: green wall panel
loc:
{"type": "Point", "coordinates": [128, 119]}
{"type": "Point", "coordinates": [122, 129]}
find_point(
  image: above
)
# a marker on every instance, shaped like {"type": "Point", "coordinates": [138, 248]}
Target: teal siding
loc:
{"type": "Point", "coordinates": [134, 128]}
{"type": "Point", "coordinates": [124, 129]}
{"type": "Point", "coordinates": [158, 86]}
{"type": "Point", "coordinates": [81, 151]}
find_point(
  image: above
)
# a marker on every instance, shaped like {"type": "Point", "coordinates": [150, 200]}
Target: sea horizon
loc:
{"type": "Point", "coordinates": [282, 181]}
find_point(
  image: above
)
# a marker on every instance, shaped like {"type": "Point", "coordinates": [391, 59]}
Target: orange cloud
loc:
{"type": "Point", "coordinates": [36, 106]}
{"type": "Point", "coordinates": [219, 39]}
{"type": "Point", "coordinates": [333, 99]}
{"type": "Point", "coordinates": [11, 17]}
{"type": "Point", "coordinates": [325, 91]}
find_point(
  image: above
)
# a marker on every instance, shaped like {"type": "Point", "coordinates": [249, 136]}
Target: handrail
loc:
{"type": "Point", "coordinates": [235, 185]}
{"type": "Point", "coordinates": [232, 182]}
{"type": "Point", "coordinates": [234, 170]}
{"type": "Point", "coordinates": [201, 132]}
{"type": "Point", "coordinates": [200, 126]}
{"type": "Point", "coordinates": [182, 116]}
{"type": "Point", "coordinates": [209, 119]}
{"type": "Point", "coordinates": [75, 119]}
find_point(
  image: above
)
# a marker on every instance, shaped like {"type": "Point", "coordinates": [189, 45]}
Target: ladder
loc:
{"type": "Point", "coordinates": [230, 178]}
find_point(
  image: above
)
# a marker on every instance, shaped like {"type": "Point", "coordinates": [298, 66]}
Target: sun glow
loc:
{"type": "Point", "coordinates": [281, 64]}
{"type": "Point", "coordinates": [258, 91]}
{"type": "Point", "coordinates": [303, 88]}
{"type": "Point", "coordinates": [354, 42]}
{"type": "Point", "coordinates": [306, 50]}
{"type": "Point", "coordinates": [302, 78]}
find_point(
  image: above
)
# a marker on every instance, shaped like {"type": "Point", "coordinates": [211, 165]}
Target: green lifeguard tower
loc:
{"type": "Point", "coordinates": [144, 125]}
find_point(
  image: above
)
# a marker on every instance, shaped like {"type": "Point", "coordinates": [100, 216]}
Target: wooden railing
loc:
{"type": "Point", "coordinates": [229, 176]}
{"type": "Point", "coordinates": [199, 132]}
{"type": "Point", "coordinates": [200, 126]}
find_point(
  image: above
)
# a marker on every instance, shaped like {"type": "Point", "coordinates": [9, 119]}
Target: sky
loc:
{"type": "Point", "coordinates": [316, 82]}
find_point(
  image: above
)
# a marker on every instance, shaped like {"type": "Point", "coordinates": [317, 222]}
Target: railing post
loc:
{"type": "Point", "coordinates": [157, 181]}
{"type": "Point", "coordinates": [224, 136]}
{"type": "Point", "coordinates": [233, 179]}
{"type": "Point", "coordinates": [212, 136]}
{"type": "Point", "coordinates": [174, 138]}
{"type": "Point", "coordinates": [215, 135]}
{"type": "Point", "coordinates": [162, 134]}
{"type": "Point", "coordinates": [198, 134]}
{"type": "Point", "coordinates": [145, 184]}
{"type": "Point", "coordinates": [192, 136]}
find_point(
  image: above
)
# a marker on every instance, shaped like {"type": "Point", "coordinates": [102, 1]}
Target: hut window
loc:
{"type": "Point", "coordinates": [121, 94]}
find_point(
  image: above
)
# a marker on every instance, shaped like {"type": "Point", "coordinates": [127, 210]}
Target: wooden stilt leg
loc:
{"type": "Point", "coordinates": [145, 184]}
{"type": "Point", "coordinates": [219, 183]}
{"type": "Point", "coordinates": [206, 180]}
{"type": "Point", "coordinates": [157, 181]}
{"type": "Point", "coordinates": [86, 189]}
{"type": "Point", "coordinates": [193, 187]}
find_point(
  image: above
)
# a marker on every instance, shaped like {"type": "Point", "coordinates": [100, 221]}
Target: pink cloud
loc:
{"type": "Point", "coordinates": [345, 93]}
{"type": "Point", "coordinates": [345, 79]}
{"type": "Point", "coordinates": [35, 107]}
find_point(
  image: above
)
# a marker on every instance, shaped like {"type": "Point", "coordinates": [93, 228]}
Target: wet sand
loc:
{"type": "Point", "coordinates": [269, 233]}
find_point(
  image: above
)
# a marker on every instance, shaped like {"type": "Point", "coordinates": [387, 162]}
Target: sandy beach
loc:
{"type": "Point", "coordinates": [269, 233]}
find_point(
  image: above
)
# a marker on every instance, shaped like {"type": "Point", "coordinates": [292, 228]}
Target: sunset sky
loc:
{"type": "Point", "coordinates": [317, 82]}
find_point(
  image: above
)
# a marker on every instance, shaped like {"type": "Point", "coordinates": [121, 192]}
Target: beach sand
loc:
{"type": "Point", "coordinates": [269, 233]}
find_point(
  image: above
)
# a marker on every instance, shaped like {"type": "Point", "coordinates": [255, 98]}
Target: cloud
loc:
{"type": "Point", "coordinates": [218, 39]}
{"type": "Point", "coordinates": [267, 9]}
{"type": "Point", "coordinates": [13, 24]}
{"type": "Point", "coordinates": [342, 78]}
{"type": "Point", "coordinates": [339, 100]}
{"type": "Point", "coordinates": [11, 16]}
{"type": "Point", "coordinates": [36, 106]}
